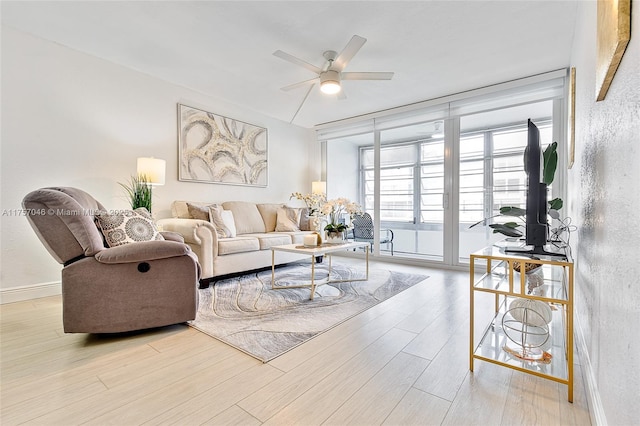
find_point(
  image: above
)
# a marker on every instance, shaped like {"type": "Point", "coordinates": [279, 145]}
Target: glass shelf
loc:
{"type": "Point", "coordinates": [492, 343]}
{"type": "Point", "coordinates": [553, 278]}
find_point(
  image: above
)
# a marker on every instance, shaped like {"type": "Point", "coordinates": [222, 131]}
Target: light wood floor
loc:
{"type": "Point", "coordinates": [405, 361]}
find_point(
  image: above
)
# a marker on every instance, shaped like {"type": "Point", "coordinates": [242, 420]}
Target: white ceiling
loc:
{"type": "Point", "coordinates": [225, 48]}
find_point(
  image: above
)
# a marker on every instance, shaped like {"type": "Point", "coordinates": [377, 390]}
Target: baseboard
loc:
{"type": "Point", "coordinates": [27, 292]}
{"type": "Point", "coordinates": [596, 410]}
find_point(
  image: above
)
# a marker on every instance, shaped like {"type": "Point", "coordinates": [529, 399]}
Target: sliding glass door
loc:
{"type": "Point", "coordinates": [411, 188]}
{"type": "Point", "coordinates": [427, 173]}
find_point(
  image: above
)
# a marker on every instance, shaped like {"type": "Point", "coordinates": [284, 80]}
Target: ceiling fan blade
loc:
{"type": "Point", "coordinates": [302, 103]}
{"type": "Point", "coordinates": [290, 58]}
{"type": "Point", "coordinates": [348, 52]}
{"type": "Point", "coordinates": [366, 75]}
{"type": "Point", "coordinates": [300, 84]}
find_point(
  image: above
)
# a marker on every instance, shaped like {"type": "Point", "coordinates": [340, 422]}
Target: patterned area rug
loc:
{"type": "Point", "coordinates": [247, 314]}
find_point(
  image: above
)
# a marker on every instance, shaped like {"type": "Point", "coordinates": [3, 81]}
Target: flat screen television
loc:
{"type": "Point", "coordinates": [536, 229]}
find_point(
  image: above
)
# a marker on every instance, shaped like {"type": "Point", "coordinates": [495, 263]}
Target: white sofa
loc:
{"type": "Point", "coordinates": [250, 248]}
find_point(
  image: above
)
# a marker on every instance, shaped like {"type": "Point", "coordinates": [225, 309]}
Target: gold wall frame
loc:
{"type": "Point", "coordinates": [571, 106]}
{"type": "Point", "coordinates": [613, 35]}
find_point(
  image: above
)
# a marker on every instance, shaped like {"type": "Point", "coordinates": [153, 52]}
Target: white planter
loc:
{"type": "Point", "coordinates": [334, 238]}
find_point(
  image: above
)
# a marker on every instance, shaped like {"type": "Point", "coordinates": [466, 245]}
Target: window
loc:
{"type": "Point", "coordinates": [492, 176]}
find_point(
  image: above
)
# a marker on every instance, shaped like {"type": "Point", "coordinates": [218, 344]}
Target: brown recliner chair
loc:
{"type": "Point", "coordinates": [109, 290]}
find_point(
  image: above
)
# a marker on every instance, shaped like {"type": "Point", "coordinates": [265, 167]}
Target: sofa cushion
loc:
{"type": "Point", "coordinates": [296, 237]}
{"type": "Point", "coordinates": [268, 211]}
{"type": "Point", "coordinates": [246, 216]}
{"type": "Point", "coordinates": [198, 211]}
{"type": "Point", "coordinates": [229, 222]}
{"type": "Point", "coordinates": [127, 226]}
{"type": "Point", "coordinates": [288, 220]}
{"type": "Point", "coordinates": [237, 245]}
{"type": "Point", "coordinates": [271, 239]}
{"type": "Point", "coordinates": [215, 217]}
{"type": "Point", "coordinates": [180, 209]}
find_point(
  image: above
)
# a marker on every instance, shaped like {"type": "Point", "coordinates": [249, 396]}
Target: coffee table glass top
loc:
{"type": "Point", "coordinates": [321, 249]}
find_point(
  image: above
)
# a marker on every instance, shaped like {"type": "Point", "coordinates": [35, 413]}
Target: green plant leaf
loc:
{"type": "Point", "coordinates": [556, 204]}
{"type": "Point", "coordinates": [550, 163]}
{"type": "Point", "coordinates": [509, 231]}
{"type": "Point", "coordinates": [512, 211]}
{"type": "Point", "coordinates": [512, 225]}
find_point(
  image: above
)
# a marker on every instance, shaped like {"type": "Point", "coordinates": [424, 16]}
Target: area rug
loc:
{"type": "Point", "coordinates": [247, 314]}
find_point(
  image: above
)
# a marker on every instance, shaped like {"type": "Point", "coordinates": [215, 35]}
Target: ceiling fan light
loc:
{"type": "Point", "coordinates": [330, 82]}
{"type": "Point", "coordinates": [330, 87]}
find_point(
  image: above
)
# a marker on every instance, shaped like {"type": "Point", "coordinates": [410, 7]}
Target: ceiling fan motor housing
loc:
{"type": "Point", "coordinates": [330, 81]}
{"type": "Point", "coordinates": [330, 76]}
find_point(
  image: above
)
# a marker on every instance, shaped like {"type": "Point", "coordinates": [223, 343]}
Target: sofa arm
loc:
{"type": "Point", "coordinates": [142, 251]}
{"type": "Point", "coordinates": [194, 231]}
{"type": "Point", "coordinates": [200, 235]}
{"type": "Point", "coordinates": [172, 236]}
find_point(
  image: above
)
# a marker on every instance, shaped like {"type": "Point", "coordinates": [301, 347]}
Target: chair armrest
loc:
{"type": "Point", "coordinates": [172, 236]}
{"type": "Point", "coordinates": [388, 231]}
{"type": "Point", "coordinates": [142, 251]}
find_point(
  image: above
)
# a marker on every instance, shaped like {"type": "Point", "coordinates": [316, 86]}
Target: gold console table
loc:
{"type": "Point", "coordinates": [553, 283]}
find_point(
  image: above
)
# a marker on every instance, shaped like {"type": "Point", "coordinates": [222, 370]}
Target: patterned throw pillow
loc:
{"type": "Point", "coordinates": [127, 226]}
{"type": "Point", "coordinates": [288, 220]}
{"type": "Point", "coordinates": [215, 217]}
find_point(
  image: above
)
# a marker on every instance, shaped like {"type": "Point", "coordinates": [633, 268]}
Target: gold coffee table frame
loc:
{"type": "Point", "coordinates": [322, 250]}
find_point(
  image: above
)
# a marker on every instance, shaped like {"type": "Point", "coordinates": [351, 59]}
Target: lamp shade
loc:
{"type": "Point", "coordinates": [319, 187]}
{"type": "Point", "coordinates": [153, 169]}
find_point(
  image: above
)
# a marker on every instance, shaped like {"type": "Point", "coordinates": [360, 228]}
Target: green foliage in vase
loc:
{"type": "Point", "coordinates": [139, 192]}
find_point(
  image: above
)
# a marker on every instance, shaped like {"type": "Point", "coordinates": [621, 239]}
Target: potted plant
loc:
{"type": "Point", "coordinates": [335, 210]}
{"type": "Point", "coordinates": [139, 192]}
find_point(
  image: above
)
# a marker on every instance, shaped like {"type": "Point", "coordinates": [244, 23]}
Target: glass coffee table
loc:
{"type": "Point", "coordinates": [314, 252]}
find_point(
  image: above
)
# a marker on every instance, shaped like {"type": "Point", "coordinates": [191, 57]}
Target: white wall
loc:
{"type": "Point", "coordinates": [70, 119]}
{"type": "Point", "coordinates": [604, 201]}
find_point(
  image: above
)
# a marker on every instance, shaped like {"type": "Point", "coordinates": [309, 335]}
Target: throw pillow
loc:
{"type": "Point", "coordinates": [229, 222]}
{"type": "Point", "coordinates": [198, 211]}
{"type": "Point", "coordinates": [127, 226]}
{"type": "Point", "coordinates": [305, 223]}
{"type": "Point", "coordinates": [215, 217]}
{"type": "Point", "coordinates": [288, 220]}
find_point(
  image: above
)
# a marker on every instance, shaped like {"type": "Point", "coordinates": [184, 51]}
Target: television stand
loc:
{"type": "Point", "coordinates": [492, 272]}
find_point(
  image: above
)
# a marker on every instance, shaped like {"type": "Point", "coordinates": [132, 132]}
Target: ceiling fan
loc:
{"type": "Point", "coordinates": [332, 73]}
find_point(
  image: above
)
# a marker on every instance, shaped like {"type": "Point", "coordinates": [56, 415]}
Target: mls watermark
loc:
{"type": "Point", "coordinates": [58, 212]}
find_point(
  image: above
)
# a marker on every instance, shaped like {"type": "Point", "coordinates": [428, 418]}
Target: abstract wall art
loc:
{"type": "Point", "coordinates": [217, 149]}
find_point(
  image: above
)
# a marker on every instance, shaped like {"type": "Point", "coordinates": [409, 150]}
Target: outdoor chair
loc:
{"type": "Point", "coordinates": [363, 231]}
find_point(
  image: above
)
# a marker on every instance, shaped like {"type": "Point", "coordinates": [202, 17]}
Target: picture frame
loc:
{"type": "Point", "coordinates": [217, 149]}
{"type": "Point", "coordinates": [613, 35]}
{"type": "Point", "coordinates": [571, 110]}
